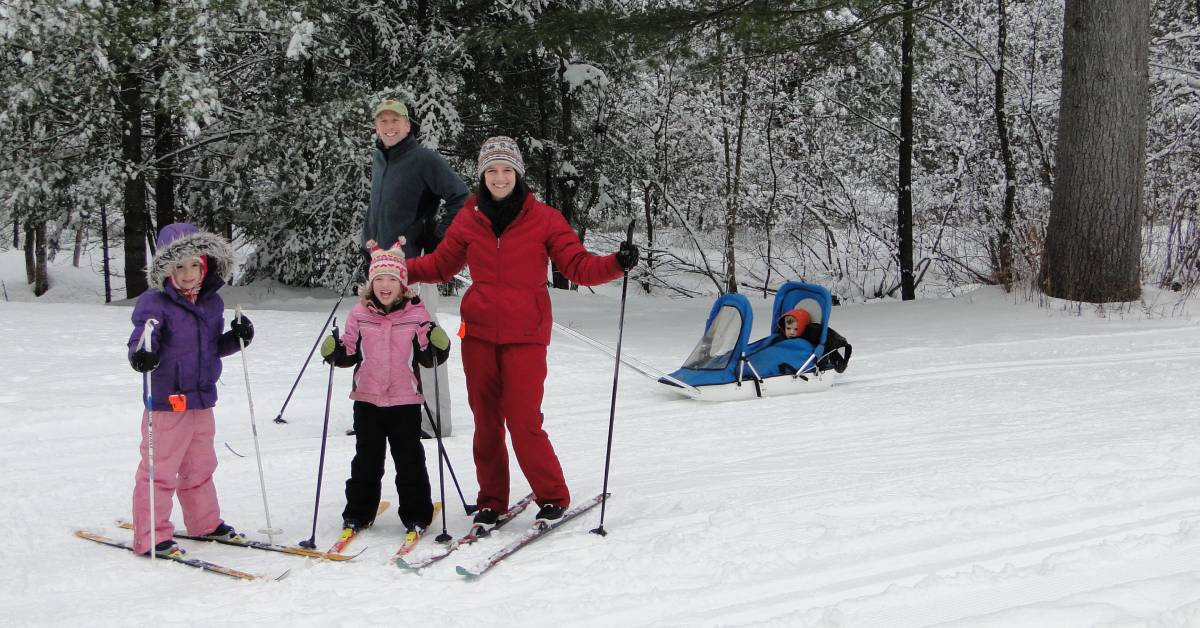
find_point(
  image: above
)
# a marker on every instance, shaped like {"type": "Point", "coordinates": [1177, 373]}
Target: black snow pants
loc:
{"type": "Point", "coordinates": [374, 429]}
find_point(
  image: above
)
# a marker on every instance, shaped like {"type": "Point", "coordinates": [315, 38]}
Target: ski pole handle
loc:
{"type": "Point", "coordinates": [147, 332]}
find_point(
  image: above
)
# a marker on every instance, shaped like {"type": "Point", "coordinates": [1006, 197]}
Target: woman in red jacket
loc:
{"type": "Point", "coordinates": [507, 237]}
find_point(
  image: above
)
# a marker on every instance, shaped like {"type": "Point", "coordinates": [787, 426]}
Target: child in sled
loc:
{"type": "Point", "coordinates": [792, 323]}
{"type": "Point", "coordinates": [184, 362]}
{"type": "Point", "coordinates": [386, 332]}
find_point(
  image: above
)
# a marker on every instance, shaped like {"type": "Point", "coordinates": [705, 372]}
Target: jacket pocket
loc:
{"type": "Point", "coordinates": [543, 314]}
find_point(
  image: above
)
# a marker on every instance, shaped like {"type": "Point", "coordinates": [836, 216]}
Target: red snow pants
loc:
{"type": "Point", "coordinates": [504, 389]}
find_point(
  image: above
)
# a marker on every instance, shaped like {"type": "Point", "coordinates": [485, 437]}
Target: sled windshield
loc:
{"type": "Point", "coordinates": [716, 348]}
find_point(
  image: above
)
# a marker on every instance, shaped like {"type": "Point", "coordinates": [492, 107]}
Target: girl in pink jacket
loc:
{"type": "Point", "coordinates": [386, 333]}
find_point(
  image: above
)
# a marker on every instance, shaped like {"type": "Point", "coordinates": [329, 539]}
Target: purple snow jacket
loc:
{"type": "Point", "coordinates": [188, 337]}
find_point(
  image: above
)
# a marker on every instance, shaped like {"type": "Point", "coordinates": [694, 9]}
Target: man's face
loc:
{"type": "Point", "coordinates": [391, 128]}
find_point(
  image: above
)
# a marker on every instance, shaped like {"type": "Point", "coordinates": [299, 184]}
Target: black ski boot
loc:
{"type": "Point", "coordinates": [226, 533]}
{"type": "Point", "coordinates": [485, 520]}
{"type": "Point", "coordinates": [550, 512]}
{"type": "Point", "coordinates": [169, 549]}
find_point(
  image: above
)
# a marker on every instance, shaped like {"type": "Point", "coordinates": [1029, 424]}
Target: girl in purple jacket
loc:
{"type": "Point", "coordinates": [184, 362]}
{"type": "Point", "coordinates": [386, 333]}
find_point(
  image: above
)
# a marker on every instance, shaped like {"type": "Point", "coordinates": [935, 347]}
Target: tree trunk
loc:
{"type": "Point", "coordinates": [16, 232]}
{"type": "Point", "coordinates": [662, 175]}
{"type": "Point", "coordinates": [770, 214]}
{"type": "Point", "coordinates": [77, 252]}
{"type": "Point", "coordinates": [164, 178]}
{"type": "Point", "coordinates": [567, 183]}
{"type": "Point", "coordinates": [733, 207]}
{"type": "Point", "coordinates": [1093, 238]}
{"type": "Point", "coordinates": [164, 143]}
{"type": "Point", "coordinates": [41, 278]}
{"type": "Point", "coordinates": [1005, 273]}
{"type": "Point", "coordinates": [30, 264]}
{"type": "Point", "coordinates": [309, 95]}
{"type": "Point", "coordinates": [104, 253]}
{"type": "Point", "coordinates": [544, 129]}
{"type": "Point", "coordinates": [648, 206]}
{"type": "Point", "coordinates": [136, 215]}
{"type": "Point", "coordinates": [904, 215]}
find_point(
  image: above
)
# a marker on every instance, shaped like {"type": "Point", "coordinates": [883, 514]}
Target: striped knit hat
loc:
{"type": "Point", "coordinates": [389, 262]}
{"type": "Point", "coordinates": [503, 149]}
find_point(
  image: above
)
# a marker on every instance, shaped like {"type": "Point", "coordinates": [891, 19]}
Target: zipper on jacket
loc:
{"type": "Point", "coordinates": [178, 386]}
{"type": "Point", "coordinates": [200, 352]}
{"type": "Point", "coordinates": [494, 311]}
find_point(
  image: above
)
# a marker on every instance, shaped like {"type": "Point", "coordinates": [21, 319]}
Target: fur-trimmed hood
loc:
{"type": "Point", "coordinates": [179, 241]}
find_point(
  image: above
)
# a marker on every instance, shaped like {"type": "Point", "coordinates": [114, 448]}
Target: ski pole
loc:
{"type": "Point", "coordinates": [341, 295]}
{"type": "Point", "coordinates": [144, 343]}
{"type": "Point", "coordinates": [311, 543]}
{"type": "Point", "coordinates": [444, 537]}
{"type": "Point", "coordinates": [612, 409]}
{"type": "Point", "coordinates": [437, 431]}
{"type": "Point", "coordinates": [262, 483]}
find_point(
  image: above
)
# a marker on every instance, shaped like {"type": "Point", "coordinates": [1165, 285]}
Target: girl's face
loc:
{"type": "Point", "coordinates": [188, 274]}
{"type": "Point", "coordinates": [500, 179]}
{"type": "Point", "coordinates": [387, 288]}
{"type": "Point", "coordinates": [790, 327]}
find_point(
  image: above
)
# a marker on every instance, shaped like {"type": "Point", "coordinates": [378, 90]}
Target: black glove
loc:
{"type": "Point", "coordinates": [242, 328]}
{"type": "Point", "coordinates": [627, 255]}
{"type": "Point", "coordinates": [143, 361]}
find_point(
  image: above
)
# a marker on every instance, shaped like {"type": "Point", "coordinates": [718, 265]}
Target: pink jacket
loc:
{"type": "Point", "coordinates": [385, 376]}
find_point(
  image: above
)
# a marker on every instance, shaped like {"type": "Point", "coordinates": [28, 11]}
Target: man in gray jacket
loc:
{"type": "Point", "coordinates": [408, 184]}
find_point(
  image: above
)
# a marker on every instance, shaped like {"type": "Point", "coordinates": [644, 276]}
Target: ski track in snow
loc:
{"type": "Point", "coordinates": [981, 463]}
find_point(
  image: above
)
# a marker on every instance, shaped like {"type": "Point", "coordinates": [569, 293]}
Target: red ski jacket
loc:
{"type": "Point", "coordinates": [508, 302]}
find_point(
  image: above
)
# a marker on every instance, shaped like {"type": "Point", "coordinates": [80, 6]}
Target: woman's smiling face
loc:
{"type": "Point", "coordinates": [500, 179]}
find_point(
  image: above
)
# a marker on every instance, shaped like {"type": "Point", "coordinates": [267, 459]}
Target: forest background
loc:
{"type": "Point", "coordinates": [883, 149]}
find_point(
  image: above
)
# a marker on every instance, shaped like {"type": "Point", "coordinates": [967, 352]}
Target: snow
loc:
{"type": "Point", "coordinates": [983, 462]}
{"type": "Point", "coordinates": [580, 75]}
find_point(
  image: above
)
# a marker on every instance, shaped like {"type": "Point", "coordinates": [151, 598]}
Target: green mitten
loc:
{"type": "Point", "coordinates": [329, 346]}
{"type": "Point", "coordinates": [438, 338]}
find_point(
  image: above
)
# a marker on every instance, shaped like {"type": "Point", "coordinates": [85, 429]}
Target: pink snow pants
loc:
{"type": "Point", "coordinates": [504, 389]}
{"type": "Point", "coordinates": [184, 461]}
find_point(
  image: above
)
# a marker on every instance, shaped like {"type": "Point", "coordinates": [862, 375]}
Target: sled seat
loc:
{"type": "Point", "coordinates": [776, 355]}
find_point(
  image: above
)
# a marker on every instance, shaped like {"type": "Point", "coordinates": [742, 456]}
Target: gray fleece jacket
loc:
{"type": "Point", "coordinates": [408, 183]}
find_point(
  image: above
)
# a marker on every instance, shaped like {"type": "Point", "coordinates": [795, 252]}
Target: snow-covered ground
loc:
{"type": "Point", "coordinates": [983, 462]}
